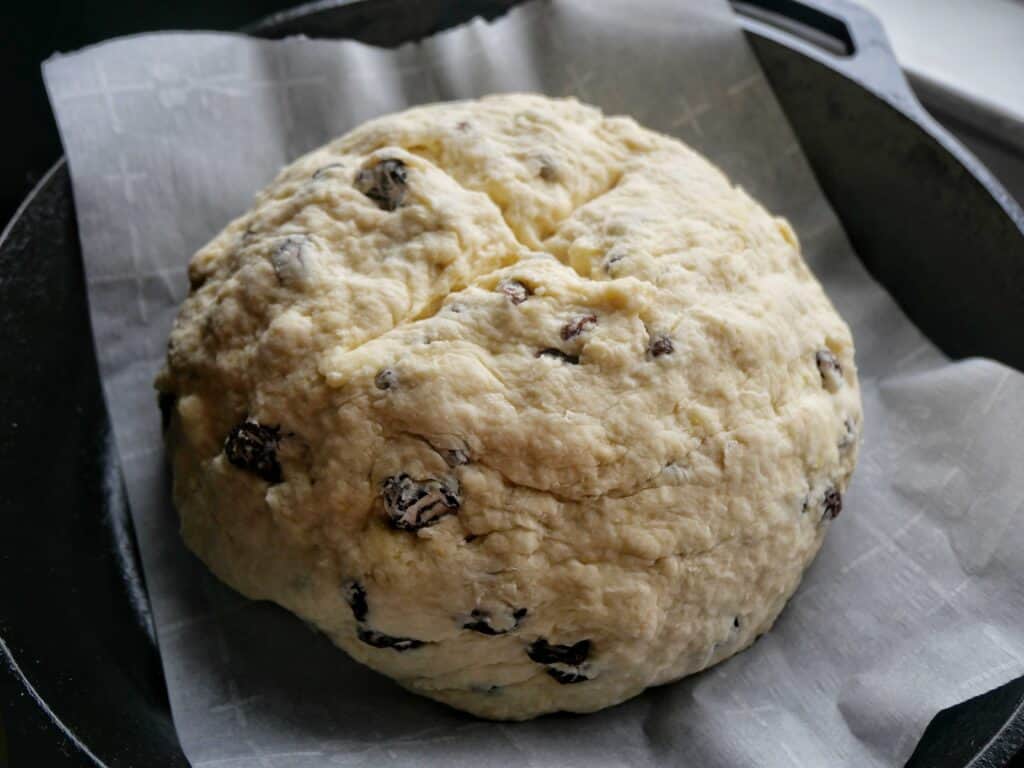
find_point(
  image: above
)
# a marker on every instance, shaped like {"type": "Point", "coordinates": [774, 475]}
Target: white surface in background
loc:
{"type": "Point", "coordinates": [915, 600]}
{"type": "Point", "coordinates": [975, 47]}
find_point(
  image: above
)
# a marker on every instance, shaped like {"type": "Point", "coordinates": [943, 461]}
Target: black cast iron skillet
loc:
{"type": "Point", "coordinates": [80, 678]}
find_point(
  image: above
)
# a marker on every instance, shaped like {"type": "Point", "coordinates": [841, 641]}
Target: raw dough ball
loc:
{"type": "Point", "coordinates": [525, 407]}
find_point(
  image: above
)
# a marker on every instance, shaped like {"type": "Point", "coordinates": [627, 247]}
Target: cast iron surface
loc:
{"type": "Point", "coordinates": [953, 257]}
{"type": "Point", "coordinates": [74, 617]}
{"type": "Point", "coordinates": [80, 679]}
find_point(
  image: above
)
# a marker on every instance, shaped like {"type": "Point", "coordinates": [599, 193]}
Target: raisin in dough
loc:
{"type": "Point", "coordinates": [526, 407]}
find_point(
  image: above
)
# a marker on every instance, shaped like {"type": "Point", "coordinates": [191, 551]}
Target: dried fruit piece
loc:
{"type": "Point", "coordinates": [380, 640]}
{"type": "Point", "coordinates": [544, 652]}
{"type": "Point", "coordinates": [515, 290]}
{"type": "Point", "coordinates": [832, 504]}
{"type": "Point", "coordinates": [564, 662]}
{"type": "Point", "coordinates": [166, 402]}
{"type": "Point", "coordinates": [567, 676]}
{"type": "Point", "coordinates": [662, 345]}
{"type": "Point", "coordinates": [830, 369]}
{"type": "Point", "coordinates": [385, 379]}
{"type": "Point", "coordinates": [575, 327]}
{"type": "Point", "coordinates": [355, 596]}
{"type": "Point", "coordinates": [548, 170]}
{"type": "Point", "coordinates": [557, 353]}
{"type": "Point", "coordinates": [482, 622]}
{"type": "Point", "coordinates": [413, 504]}
{"type": "Point", "coordinates": [253, 447]}
{"type": "Point", "coordinates": [384, 183]}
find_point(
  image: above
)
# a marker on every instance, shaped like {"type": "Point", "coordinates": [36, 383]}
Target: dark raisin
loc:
{"type": "Point", "coordinates": [385, 379]}
{"type": "Point", "coordinates": [321, 172]}
{"type": "Point", "coordinates": [470, 537]}
{"type": "Point", "coordinates": [480, 621]}
{"type": "Point", "coordinates": [830, 369]}
{"type": "Point", "coordinates": [559, 354]}
{"type": "Point", "coordinates": [544, 652]}
{"type": "Point", "coordinates": [355, 596]}
{"type": "Point", "coordinates": [548, 170]}
{"type": "Point", "coordinates": [515, 290]}
{"type": "Point", "coordinates": [662, 345]}
{"type": "Point", "coordinates": [384, 183]}
{"type": "Point", "coordinates": [413, 504]}
{"type": "Point", "coordinates": [736, 623]}
{"type": "Point", "coordinates": [253, 447]}
{"type": "Point", "coordinates": [380, 640]}
{"type": "Point", "coordinates": [166, 401]}
{"type": "Point", "coordinates": [575, 327]}
{"type": "Point", "coordinates": [832, 504]}
{"type": "Point", "coordinates": [567, 677]}
{"type": "Point", "coordinates": [455, 457]}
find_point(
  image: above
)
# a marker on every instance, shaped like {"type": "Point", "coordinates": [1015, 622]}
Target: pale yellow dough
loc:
{"type": "Point", "coordinates": [660, 506]}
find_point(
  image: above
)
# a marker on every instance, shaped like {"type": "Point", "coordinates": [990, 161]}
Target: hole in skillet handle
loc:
{"type": "Point", "coordinates": [804, 21]}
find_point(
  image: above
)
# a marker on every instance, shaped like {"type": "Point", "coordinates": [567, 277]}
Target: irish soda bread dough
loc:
{"type": "Point", "coordinates": [523, 406]}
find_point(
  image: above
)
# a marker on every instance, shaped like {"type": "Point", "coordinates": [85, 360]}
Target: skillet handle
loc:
{"type": "Point", "coordinates": [838, 33]}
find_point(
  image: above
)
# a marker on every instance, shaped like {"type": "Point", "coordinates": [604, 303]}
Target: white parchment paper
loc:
{"type": "Point", "coordinates": [917, 598]}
